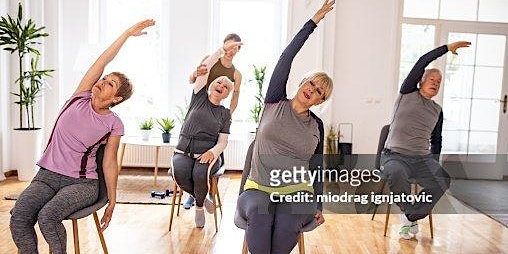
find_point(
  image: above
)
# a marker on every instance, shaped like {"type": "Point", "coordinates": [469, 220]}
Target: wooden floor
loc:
{"type": "Point", "coordinates": [144, 229]}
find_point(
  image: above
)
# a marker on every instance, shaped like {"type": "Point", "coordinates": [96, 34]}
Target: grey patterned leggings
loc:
{"type": "Point", "coordinates": [49, 199]}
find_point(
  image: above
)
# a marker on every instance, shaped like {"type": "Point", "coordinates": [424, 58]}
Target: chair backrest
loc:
{"type": "Point", "coordinates": [102, 199]}
{"type": "Point", "coordinates": [381, 144]}
{"type": "Point", "coordinates": [246, 166]}
{"type": "Point", "coordinates": [99, 157]}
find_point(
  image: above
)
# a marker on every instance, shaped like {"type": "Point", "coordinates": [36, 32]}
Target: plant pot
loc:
{"type": "Point", "coordinates": [166, 137]}
{"type": "Point", "coordinates": [27, 148]}
{"type": "Point", "coordinates": [145, 134]}
{"type": "Point", "coordinates": [251, 136]}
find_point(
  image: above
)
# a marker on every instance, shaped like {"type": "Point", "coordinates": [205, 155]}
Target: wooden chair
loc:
{"type": "Point", "coordinates": [240, 222]}
{"type": "Point", "coordinates": [214, 192]}
{"type": "Point", "coordinates": [414, 186]}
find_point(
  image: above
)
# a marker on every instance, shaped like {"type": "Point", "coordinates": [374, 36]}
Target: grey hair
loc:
{"type": "Point", "coordinates": [429, 71]}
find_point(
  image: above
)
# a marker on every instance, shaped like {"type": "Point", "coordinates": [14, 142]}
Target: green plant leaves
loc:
{"type": "Point", "coordinates": [20, 37]}
{"type": "Point", "coordinates": [166, 124]}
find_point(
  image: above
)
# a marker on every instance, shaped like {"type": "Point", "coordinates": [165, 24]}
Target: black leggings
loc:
{"type": "Point", "coordinates": [193, 176]}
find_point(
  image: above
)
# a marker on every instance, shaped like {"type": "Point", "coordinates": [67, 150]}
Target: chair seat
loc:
{"type": "Point", "coordinates": [219, 172]}
{"type": "Point", "coordinates": [241, 223]}
{"type": "Point", "coordinates": [82, 213]}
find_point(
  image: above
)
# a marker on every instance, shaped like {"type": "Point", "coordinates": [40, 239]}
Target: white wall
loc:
{"type": "Point", "coordinates": [4, 103]}
{"type": "Point", "coordinates": [188, 43]}
{"type": "Point", "coordinates": [365, 67]}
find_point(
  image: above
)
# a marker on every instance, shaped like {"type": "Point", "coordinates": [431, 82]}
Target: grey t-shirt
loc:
{"type": "Point", "coordinates": [414, 119]}
{"type": "Point", "coordinates": [284, 140]}
{"type": "Point", "coordinates": [203, 123]}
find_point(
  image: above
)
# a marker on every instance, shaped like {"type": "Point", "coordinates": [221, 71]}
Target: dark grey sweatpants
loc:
{"type": "Point", "coordinates": [398, 169]}
{"type": "Point", "coordinates": [49, 199]}
{"type": "Point", "coordinates": [272, 228]}
{"type": "Point", "coordinates": [192, 176]}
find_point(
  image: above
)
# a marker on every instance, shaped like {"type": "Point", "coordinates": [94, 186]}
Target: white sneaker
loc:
{"type": "Point", "coordinates": [414, 228]}
{"type": "Point", "coordinates": [405, 227]}
{"type": "Point", "coordinates": [199, 217]}
{"type": "Point", "coordinates": [209, 206]}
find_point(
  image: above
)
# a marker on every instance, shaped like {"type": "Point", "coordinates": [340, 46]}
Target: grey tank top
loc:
{"type": "Point", "coordinates": [284, 140]}
{"type": "Point", "coordinates": [414, 119]}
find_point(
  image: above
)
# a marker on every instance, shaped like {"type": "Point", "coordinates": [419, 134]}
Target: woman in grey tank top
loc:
{"type": "Point", "coordinates": [289, 135]}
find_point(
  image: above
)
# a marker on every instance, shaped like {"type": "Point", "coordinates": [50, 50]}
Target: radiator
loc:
{"type": "Point", "coordinates": [235, 152]}
{"type": "Point", "coordinates": [144, 156]}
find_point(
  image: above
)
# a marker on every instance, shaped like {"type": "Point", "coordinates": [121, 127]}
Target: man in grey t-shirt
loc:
{"type": "Point", "coordinates": [416, 120]}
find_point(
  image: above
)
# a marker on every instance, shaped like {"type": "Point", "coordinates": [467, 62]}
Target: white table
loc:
{"type": "Point", "coordinates": [156, 143]}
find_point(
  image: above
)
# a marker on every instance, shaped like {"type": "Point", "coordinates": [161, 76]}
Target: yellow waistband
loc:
{"type": "Point", "coordinates": [283, 190]}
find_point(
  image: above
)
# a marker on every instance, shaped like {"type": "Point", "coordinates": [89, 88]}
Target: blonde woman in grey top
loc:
{"type": "Point", "coordinates": [289, 135]}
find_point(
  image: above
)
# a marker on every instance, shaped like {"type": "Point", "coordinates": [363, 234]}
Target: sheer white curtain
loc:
{"type": "Point", "coordinates": [4, 102]}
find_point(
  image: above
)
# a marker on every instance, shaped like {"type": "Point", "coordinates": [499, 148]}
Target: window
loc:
{"type": "Point", "coordinates": [467, 10]}
{"type": "Point", "coordinates": [142, 59]}
{"type": "Point", "coordinates": [471, 96]}
{"type": "Point", "coordinates": [472, 82]}
{"type": "Point", "coordinates": [416, 41]}
{"type": "Point", "coordinates": [260, 25]}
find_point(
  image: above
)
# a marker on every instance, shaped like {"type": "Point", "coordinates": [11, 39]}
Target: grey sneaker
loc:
{"type": "Point", "coordinates": [199, 217]}
{"type": "Point", "coordinates": [210, 208]}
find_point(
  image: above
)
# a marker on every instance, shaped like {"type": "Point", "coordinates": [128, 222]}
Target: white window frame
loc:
{"type": "Point", "coordinates": [216, 41]}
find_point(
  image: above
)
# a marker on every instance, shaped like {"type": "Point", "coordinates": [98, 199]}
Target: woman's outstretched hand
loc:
{"type": "Point", "coordinates": [320, 14]}
{"type": "Point", "coordinates": [231, 45]}
{"type": "Point", "coordinates": [320, 219]}
{"type": "Point", "coordinates": [459, 44]}
{"type": "Point", "coordinates": [137, 29]}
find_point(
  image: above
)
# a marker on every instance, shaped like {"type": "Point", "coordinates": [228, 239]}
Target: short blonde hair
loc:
{"type": "Point", "coordinates": [321, 78]}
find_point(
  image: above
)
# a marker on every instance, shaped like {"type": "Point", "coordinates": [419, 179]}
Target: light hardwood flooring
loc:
{"type": "Point", "coordinates": [144, 229]}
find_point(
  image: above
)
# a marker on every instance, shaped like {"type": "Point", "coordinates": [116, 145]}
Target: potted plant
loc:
{"type": "Point", "coordinates": [182, 113]}
{"type": "Point", "coordinates": [259, 78]}
{"type": "Point", "coordinates": [146, 127]}
{"type": "Point", "coordinates": [20, 37]}
{"type": "Point", "coordinates": [166, 125]}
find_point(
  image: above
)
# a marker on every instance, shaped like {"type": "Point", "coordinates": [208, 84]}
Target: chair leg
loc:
{"type": "Point", "coordinates": [431, 226]}
{"type": "Point", "coordinates": [218, 195]}
{"type": "Point", "coordinates": [179, 201]}
{"type": "Point", "coordinates": [76, 236]}
{"type": "Point", "coordinates": [374, 213]}
{"type": "Point", "coordinates": [379, 191]}
{"type": "Point", "coordinates": [101, 236]}
{"type": "Point", "coordinates": [173, 199]}
{"type": "Point", "coordinates": [245, 250]}
{"type": "Point", "coordinates": [212, 189]}
{"type": "Point", "coordinates": [301, 244]}
{"type": "Point", "coordinates": [387, 218]}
